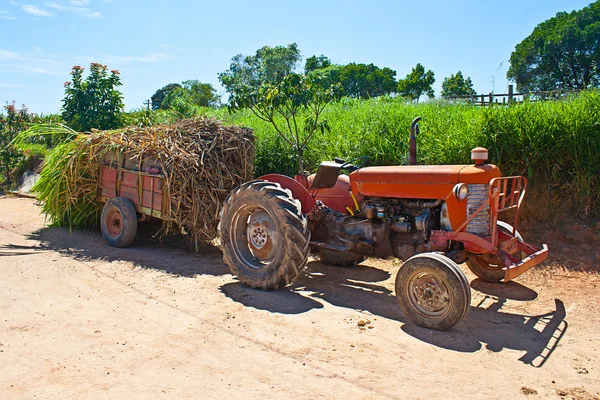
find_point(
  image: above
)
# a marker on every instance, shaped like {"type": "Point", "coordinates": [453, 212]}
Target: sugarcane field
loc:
{"type": "Point", "coordinates": [195, 223]}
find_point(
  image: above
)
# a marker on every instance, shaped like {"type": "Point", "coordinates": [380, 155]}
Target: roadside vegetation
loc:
{"type": "Point", "coordinates": [304, 113]}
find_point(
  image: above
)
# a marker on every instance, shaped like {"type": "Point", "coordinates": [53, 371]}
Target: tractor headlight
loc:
{"type": "Point", "coordinates": [460, 191]}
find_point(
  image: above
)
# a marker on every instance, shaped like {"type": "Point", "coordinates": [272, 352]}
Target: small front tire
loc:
{"type": "Point", "coordinates": [490, 268]}
{"type": "Point", "coordinates": [432, 291]}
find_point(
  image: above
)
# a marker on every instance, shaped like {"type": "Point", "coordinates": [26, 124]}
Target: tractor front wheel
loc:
{"type": "Point", "coordinates": [489, 267]}
{"type": "Point", "coordinates": [433, 292]}
{"type": "Point", "coordinates": [264, 235]}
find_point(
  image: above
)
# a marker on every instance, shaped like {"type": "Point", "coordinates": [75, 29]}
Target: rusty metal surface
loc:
{"type": "Point", "coordinates": [262, 235]}
{"type": "Point", "coordinates": [147, 192]}
{"type": "Point", "coordinates": [528, 262]}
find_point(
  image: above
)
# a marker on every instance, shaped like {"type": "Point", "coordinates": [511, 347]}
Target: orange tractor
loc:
{"type": "Point", "coordinates": [431, 217]}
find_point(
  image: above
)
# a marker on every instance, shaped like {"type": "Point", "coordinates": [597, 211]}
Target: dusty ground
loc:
{"type": "Point", "coordinates": [79, 319]}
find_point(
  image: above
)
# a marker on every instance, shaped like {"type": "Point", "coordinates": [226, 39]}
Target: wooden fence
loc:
{"type": "Point", "coordinates": [486, 100]}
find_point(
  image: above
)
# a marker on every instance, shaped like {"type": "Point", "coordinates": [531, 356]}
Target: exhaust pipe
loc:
{"type": "Point", "coordinates": [414, 131]}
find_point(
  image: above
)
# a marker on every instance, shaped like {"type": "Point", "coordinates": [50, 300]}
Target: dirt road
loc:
{"type": "Point", "coordinates": [79, 319]}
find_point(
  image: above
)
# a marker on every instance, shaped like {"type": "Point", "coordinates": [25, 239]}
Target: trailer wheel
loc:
{"type": "Point", "coordinates": [432, 291]}
{"type": "Point", "coordinates": [118, 222]}
{"type": "Point", "coordinates": [489, 268]}
{"type": "Point", "coordinates": [340, 259]}
{"type": "Point", "coordinates": [264, 235]}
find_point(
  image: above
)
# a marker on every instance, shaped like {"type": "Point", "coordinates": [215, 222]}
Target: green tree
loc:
{"type": "Point", "coordinates": [11, 124]}
{"type": "Point", "coordinates": [563, 51]}
{"type": "Point", "coordinates": [417, 83]}
{"type": "Point", "coordinates": [159, 96]}
{"type": "Point", "coordinates": [93, 102]}
{"type": "Point", "coordinates": [314, 63]}
{"type": "Point", "coordinates": [365, 81]}
{"type": "Point", "coordinates": [270, 65]}
{"type": "Point", "coordinates": [360, 80]}
{"type": "Point", "coordinates": [201, 94]}
{"type": "Point", "coordinates": [457, 85]}
{"type": "Point", "coordinates": [294, 107]}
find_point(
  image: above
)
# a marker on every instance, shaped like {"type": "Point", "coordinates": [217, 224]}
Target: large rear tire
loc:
{"type": "Point", "coordinates": [118, 222]}
{"type": "Point", "coordinates": [432, 291]}
{"type": "Point", "coordinates": [489, 268]}
{"type": "Point", "coordinates": [264, 235]}
{"type": "Point", "coordinates": [340, 259]}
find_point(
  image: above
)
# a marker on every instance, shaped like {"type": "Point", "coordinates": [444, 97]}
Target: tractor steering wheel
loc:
{"type": "Point", "coordinates": [349, 166]}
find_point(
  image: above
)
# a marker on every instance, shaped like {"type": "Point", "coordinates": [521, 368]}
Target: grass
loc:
{"type": "Point", "coordinates": [556, 144]}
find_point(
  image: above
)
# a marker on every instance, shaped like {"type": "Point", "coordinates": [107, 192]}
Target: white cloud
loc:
{"type": "Point", "coordinates": [83, 11]}
{"type": "Point", "coordinates": [9, 55]}
{"type": "Point", "coordinates": [7, 15]}
{"type": "Point", "coordinates": [31, 62]}
{"type": "Point", "coordinates": [152, 57]}
{"type": "Point", "coordinates": [33, 10]}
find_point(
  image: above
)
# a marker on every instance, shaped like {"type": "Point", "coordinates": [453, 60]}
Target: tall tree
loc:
{"type": "Point", "coordinates": [270, 65]}
{"type": "Point", "coordinates": [93, 102]}
{"type": "Point", "coordinates": [294, 107]}
{"type": "Point", "coordinates": [563, 51]}
{"type": "Point", "coordinates": [159, 96]}
{"type": "Point", "coordinates": [201, 94]}
{"type": "Point", "coordinates": [360, 80]}
{"type": "Point", "coordinates": [457, 85]}
{"type": "Point", "coordinates": [417, 83]}
{"type": "Point", "coordinates": [314, 63]}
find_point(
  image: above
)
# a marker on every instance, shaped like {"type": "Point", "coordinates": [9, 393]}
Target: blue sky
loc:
{"type": "Point", "coordinates": [154, 43]}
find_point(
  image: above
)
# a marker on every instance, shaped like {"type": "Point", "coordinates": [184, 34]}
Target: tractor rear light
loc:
{"type": "Point", "coordinates": [460, 191]}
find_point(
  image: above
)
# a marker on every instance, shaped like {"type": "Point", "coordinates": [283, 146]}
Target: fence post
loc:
{"type": "Point", "coordinates": [491, 99]}
{"type": "Point", "coordinates": [510, 93]}
{"type": "Point", "coordinates": [482, 101]}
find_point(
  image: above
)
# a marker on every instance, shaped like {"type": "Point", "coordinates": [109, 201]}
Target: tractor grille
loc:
{"type": "Point", "coordinates": [477, 195]}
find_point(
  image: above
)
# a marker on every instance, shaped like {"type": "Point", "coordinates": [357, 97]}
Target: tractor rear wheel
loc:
{"type": "Point", "coordinates": [340, 259]}
{"type": "Point", "coordinates": [489, 268]}
{"type": "Point", "coordinates": [118, 222]}
{"type": "Point", "coordinates": [264, 235]}
{"type": "Point", "coordinates": [433, 292]}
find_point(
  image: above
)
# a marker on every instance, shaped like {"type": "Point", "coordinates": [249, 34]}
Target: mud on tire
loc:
{"type": "Point", "coordinates": [264, 235]}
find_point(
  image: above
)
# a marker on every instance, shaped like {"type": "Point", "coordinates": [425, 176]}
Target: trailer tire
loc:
{"type": "Point", "coordinates": [264, 235]}
{"type": "Point", "coordinates": [490, 270]}
{"type": "Point", "coordinates": [432, 291]}
{"type": "Point", "coordinates": [340, 259]}
{"type": "Point", "coordinates": [118, 222]}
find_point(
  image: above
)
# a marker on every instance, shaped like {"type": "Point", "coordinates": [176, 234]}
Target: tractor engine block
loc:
{"type": "Point", "coordinates": [381, 228]}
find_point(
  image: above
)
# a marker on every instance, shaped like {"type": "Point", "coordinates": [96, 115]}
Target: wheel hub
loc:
{"type": "Point", "coordinates": [114, 222]}
{"type": "Point", "coordinates": [262, 235]}
{"type": "Point", "coordinates": [431, 294]}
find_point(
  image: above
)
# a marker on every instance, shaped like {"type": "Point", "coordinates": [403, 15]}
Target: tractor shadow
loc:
{"type": "Point", "coordinates": [170, 254]}
{"type": "Point", "coordinates": [361, 288]}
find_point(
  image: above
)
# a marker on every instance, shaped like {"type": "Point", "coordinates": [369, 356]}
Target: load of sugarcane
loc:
{"type": "Point", "coordinates": [202, 161]}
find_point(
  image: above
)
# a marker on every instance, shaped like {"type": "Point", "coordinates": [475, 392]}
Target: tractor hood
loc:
{"type": "Point", "coordinates": [366, 180]}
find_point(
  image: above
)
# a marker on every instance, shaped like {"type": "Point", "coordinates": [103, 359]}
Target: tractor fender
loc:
{"type": "Point", "coordinates": [299, 192]}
